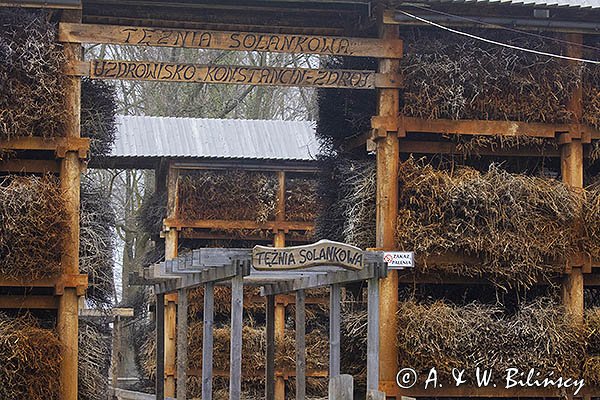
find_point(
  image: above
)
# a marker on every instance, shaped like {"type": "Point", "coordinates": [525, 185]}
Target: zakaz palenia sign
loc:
{"type": "Point", "coordinates": [324, 252]}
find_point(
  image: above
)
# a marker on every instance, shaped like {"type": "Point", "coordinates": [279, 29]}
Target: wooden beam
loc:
{"type": "Point", "coordinates": [334, 330]}
{"type": "Point", "coordinates": [28, 302]}
{"type": "Point", "coordinates": [270, 362]}
{"type": "Point", "coordinates": [373, 334]}
{"type": "Point", "coordinates": [388, 158]}
{"type": "Point", "coordinates": [341, 387]}
{"type": "Point", "coordinates": [178, 223]}
{"type": "Point", "coordinates": [300, 345]}
{"type": "Point", "coordinates": [170, 343]}
{"type": "Point", "coordinates": [235, 354]}
{"type": "Point", "coordinates": [30, 166]}
{"type": "Point", "coordinates": [60, 145]}
{"type": "Point", "coordinates": [223, 40]}
{"type": "Point", "coordinates": [496, 128]}
{"type": "Point", "coordinates": [233, 74]}
{"type": "Point", "coordinates": [286, 374]}
{"type": "Point", "coordinates": [182, 343]}
{"type": "Point", "coordinates": [160, 346]}
{"type": "Point", "coordinates": [207, 341]}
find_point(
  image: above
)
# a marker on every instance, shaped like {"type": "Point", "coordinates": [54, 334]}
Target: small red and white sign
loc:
{"type": "Point", "coordinates": [399, 259]}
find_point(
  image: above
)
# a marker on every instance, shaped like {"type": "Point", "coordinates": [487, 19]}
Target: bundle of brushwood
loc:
{"type": "Point", "coordinates": [457, 77]}
{"type": "Point", "coordinates": [94, 361]}
{"type": "Point", "coordinates": [592, 362]}
{"type": "Point", "coordinates": [591, 216]}
{"type": "Point", "coordinates": [98, 115]}
{"type": "Point", "coordinates": [233, 195]}
{"type": "Point", "coordinates": [30, 360]}
{"type": "Point", "coordinates": [152, 212]}
{"type": "Point", "coordinates": [301, 202]}
{"type": "Point", "coordinates": [32, 89]}
{"type": "Point", "coordinates": [518, 227]}
{"type": "Point", "coordinates": [96, 245]}
{"type": "Point", "coordinates": [540, 335]}
{"type": "Point", "coordinates": [591, 86]}
{"type": "Point", "coordinates": [348, 188]}
{"type": "Point", "coordinates": [34, 223]}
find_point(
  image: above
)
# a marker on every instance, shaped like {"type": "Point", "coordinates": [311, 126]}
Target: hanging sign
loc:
{"type": "Point", "coordinates": [399, 259]}
{"type": "Point", "coordinates": [324, 252]}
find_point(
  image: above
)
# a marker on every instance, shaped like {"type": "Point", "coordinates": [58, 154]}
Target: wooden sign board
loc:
{"type": "Point", "coordinates": [237, 41]}
{"type": "Point", "coordinates": [240, 75]}
{"type": "Point", "coordinates": [324, 252]}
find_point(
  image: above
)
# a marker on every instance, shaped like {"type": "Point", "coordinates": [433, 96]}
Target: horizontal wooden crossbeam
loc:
{"type": "Point", "coordinates": [258, 373]}
{"type": "Point", "coordinates": [173, 223]}
{"type": "Point", "coordinates": [226, 40]}
{"type": "Point", "coordinates": [30, 166]}
{"type": "Point", "coordinates": [28, 302]}
{"type": "Point", "coordinates": [60, 145]}
{"type": "Point", "coordinates": [59, 283]}
{"type": "Point", "coordinates": [233, 74]}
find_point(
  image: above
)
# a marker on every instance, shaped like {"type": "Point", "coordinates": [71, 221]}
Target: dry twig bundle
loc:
{"type": "Point", "coordinates": [98, 112]}
{"type": "Point", "coordinates": [34, 224]}
{"type": "Point", "coordinates": [94, 362]}
{"type": "Point", "coordinates": [539, 336]}
{"type": "Point", "coordinates": [236, 194]}
{"type": "Point", "coordinates": [30, 360]}
{"type": "Point", "coordinates": [301, 202]}
{"type": "Point", "coordinates": [152, 212]}
{"type": "Point", "coordinates": [96, 245]}
{"type": "Point", "coordinates": [518, 226]}
{"type": "Point", "coordinates": [32, 84]}
{"type": "Point", "coordinates": [591, 217]}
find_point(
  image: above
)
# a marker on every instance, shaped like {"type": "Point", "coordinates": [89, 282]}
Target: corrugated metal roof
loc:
{"type": "Point", "coordinates": [141, 136]}
{"type": "Point", "coordinates": [537, 3]}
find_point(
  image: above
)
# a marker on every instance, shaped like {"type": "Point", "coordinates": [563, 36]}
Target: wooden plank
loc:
{"type": "Point", "coordinates": [174, 223]}
{"type": "Point", "coordinates": [373, 334]}
{"type": "Point", "coordinates": [182, 343]}
{"type": "Point", "coordinates": [375, 395]}
{"type": "Point", "coordinates": [234, 74]}
{"type": "Point", "coordinates": [224, 40]}
{"type": "Point", "coordinates": [60, 145]}
{"type": "Point", "coordinates": [122, 394]}
{"type": "Point", "coordinates": [170, 343]}
{"type": "Point", "coordinates": [334, 330]}
{"type": "Point", "coordinates": [270, 362]}
{"type": "Point", "coordinates": [286, 374]}
{"type": "Point", "coordinates": [388, 157]}
{"type": "Point", "coordinates": [207, 340]}
{"type": "Point", "coordinates": [28, 302]}
{"type": "Point", "coordinates": [102, 313]}
{"type": "Point", "coordinates": [495, 128]}
{"type": "Point", "coordinates": [30, 166]}
{"type": "Point", "coordinates": [341, 387]}
{"type": "Point", "coordinates": [160, 346]}
{"type": "Point", "coordinates": [300, 345]}
{"type": "Point", "coordinates": [235, 364]}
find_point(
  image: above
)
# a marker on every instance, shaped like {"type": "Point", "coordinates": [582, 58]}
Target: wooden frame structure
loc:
{"type": "Point", "coordinates": [122, 24]}
{"type": "Point", "coordinates": [208, 267]}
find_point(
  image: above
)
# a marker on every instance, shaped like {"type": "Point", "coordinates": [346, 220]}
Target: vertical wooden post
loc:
{"type": "Point", "coordinates": [68, 322]}
{"type": "Point", "coordinates": [388, 158]}
{"type": "Point", "coordinates": [116, 351]}
{"type": "Point", "coordinates": [160, 346]}
{"type": "Point", "coordinates": [270, 364]}
{"type": "Point", "coordinates": [171, 245]}
{"type": "Point", "coordinates": [235, 365]}
{"type": "Point", "coordinates": [373, 335]}
{"type": "Point", "coordinates": [334, 330]}
{"type": "Point", "coordinates": [300, 345]}
{"type": "Point", "coordinates": [207, 341]}
{"type": "Point", "coordinates": [279, 241]}
{"type": "Point", "coordinates": [341, 387]}
{"type": "Point", "coordinates": [182, 344]}
{"type": "Point", "coordinates": [571, 154]}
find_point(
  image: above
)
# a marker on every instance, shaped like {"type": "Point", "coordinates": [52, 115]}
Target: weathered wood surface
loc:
{"type": "Point", "coordinates": [300, 345]}
{"type": "Point", "coordinates": [234, 74]}
{"type": "Point", "coordinates": [236, 41]}
{"type": "Point", "coordinates": [235, 360]}
{"type": "Point", "coordinates": [270, 362]}
{"type": "Point", "coordinates": [175, 223]}
{"type": "Point", "coordinates": [324, 252]}
{"type": "Point", "coordinates": [160, 346]}
{"type": "Point", "coordinates": [28, 302]}
{"type": "Point", "coordinates": [182, 343]}
{"type": "Point", "coordinates": [334, 330]}
{"type": "Point", "coordinates": [341, 387]}
{"type": "Point", "coordinates": [122, 394]}
{"type": "Point", "coordinates": [207, 341]}
{"type": "Point", "coordinates": [373, 334]}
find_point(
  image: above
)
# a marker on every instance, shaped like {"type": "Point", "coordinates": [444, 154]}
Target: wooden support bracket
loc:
{"type": "Point", "coordinates": [77, 281]}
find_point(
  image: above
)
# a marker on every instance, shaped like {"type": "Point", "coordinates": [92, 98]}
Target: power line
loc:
{"type": "Point", "coordinates": [504, 27]}
{"type": "Point", "coordinates": [543, 53]}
